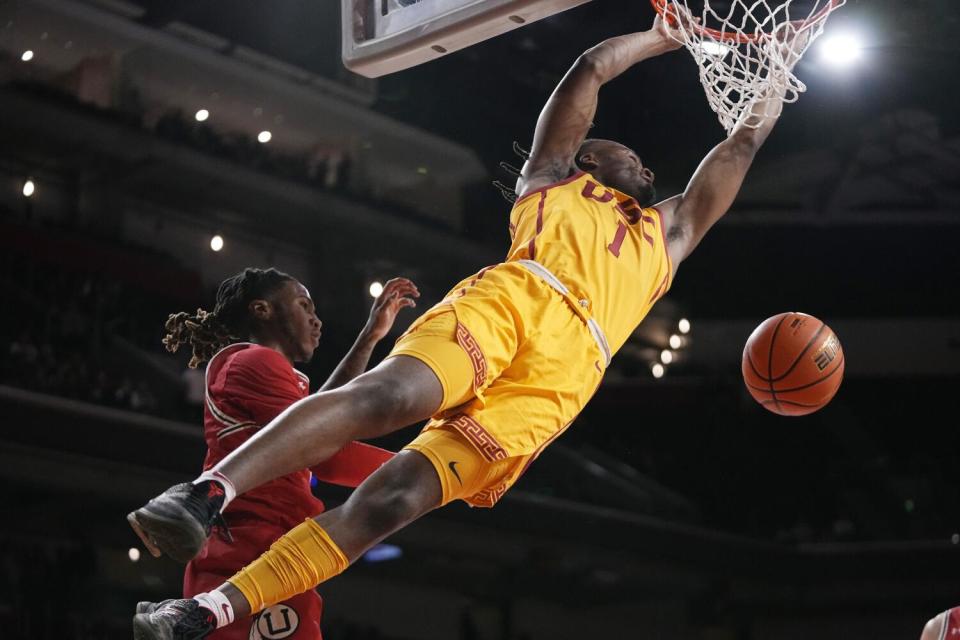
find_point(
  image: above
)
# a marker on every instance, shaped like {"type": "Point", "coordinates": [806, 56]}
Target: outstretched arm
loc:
{"type": "Point", "coordinates": [716, 182]}
{"type": "Point", "coordinates": [351, 465]}
{"type": "Point", "coordinates": [568, 114]}
{"type": "Point", "coordinates": [397, 294]}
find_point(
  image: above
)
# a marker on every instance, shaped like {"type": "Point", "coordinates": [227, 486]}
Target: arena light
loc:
{"type": "Point", "coordinates": [27, 56]}
{"type": "Point", "coordinates": [382, 552]}
{"type": "Point", "coordinates": [841, 50]}
{"type": "Point", "coordinates": [264, 137]}
{"type": "Point", "coordinates": [684, 325]}
{"type": "Point", "coordinates": [29, 188]}
{"type": "Point", "coordinates": [133, 554]}
{"type": "Point", "coordinates": [676, 341]}
{"type": "Point", "coordinates": [658, 370]}
{"type": "Point", "coordinates": [376, 289]}
{"type": "Point", "coordinates": [202, 115]}
{"type": "Point", "coordinates": [955, 538]}
{"type": "Point", "coordinates": [216, 242]}
{"type": "Point", "coordinates": [666, 356]}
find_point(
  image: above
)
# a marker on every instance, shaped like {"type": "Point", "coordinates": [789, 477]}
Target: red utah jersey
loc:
{"type": "Point", "coordinates": [247, 386]}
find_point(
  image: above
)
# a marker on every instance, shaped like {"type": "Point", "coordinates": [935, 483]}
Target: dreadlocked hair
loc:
{"type": "Point", "coordinates": [508, 192]}
{"type": "Point", "coordinates": [209, 331]}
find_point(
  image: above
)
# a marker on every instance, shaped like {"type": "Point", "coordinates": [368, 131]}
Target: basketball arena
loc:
{"type": "Point", "coordinates": [366, 320]}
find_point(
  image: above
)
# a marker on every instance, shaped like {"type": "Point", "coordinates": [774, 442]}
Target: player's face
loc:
{"type": "Point", "coordinates": [619, 167]}
{"type": "Point", "coordinates": [297, 324]}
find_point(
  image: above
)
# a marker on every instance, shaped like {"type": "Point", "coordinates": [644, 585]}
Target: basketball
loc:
{"type": "Point", "coordinates": [792, 364]}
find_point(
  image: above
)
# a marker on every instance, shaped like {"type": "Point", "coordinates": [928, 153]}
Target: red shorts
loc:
{"type": "Point", "coordinates": [295, 619]}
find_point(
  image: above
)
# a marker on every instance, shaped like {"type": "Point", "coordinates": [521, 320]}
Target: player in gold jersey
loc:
{"type": "Point", "coordinates": [502, 365]}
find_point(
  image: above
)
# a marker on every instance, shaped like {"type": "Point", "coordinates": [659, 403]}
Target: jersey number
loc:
{"type": "Point", "coordinates": [633, 214]}
{"type": "Point", "coordinates": [614, 247]}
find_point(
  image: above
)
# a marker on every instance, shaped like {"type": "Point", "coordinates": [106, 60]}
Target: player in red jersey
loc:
{"type": "Point", "coordinates": [248, 383]}
{"type": "Point", "coordinates": [943, 626]}
{"type": "Point", "coordinates": [503, 364]}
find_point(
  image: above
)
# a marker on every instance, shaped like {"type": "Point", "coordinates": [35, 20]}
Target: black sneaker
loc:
{"type": "Point", "coordinates": [173, 620]}
{"type": "Point", "coordinates": [178, 521]}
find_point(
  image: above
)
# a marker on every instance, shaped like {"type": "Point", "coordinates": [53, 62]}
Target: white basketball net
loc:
{"type": "Point", "coordinates": [754, 58]}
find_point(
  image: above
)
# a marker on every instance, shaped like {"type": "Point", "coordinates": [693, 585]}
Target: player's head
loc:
{"type": "Point", "coordinates": [617, 166]}
{"type": "Point", "coordinates": [263, 305]}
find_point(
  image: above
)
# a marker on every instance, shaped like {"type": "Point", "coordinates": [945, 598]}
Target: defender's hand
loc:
{"type": "Point", "coordinates": [397, 294]}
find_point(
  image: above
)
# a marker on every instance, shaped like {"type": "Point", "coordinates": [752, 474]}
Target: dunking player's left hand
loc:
{"type": "Point", "coordinates": [669, 29]}
{"type": "Point", "coordinates": [397, 294]}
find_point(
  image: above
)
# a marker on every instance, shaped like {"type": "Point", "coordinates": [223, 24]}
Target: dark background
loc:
{"type": "Point", "coordinates": [675, 507]}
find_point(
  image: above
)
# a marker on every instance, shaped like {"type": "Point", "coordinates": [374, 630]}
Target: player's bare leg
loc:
{"type": "Point", "coordinates": [404, 489]}
{"type": "Point", "coordinates": [400, 391]}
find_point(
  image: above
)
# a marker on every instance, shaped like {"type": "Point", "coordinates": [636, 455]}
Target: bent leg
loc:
{"type": "Point", "coordinates": [401, 491]}
{"type": "Point", "coordinates": [398, 392]}
{"type": "Point", "coordinates": [404, 489]}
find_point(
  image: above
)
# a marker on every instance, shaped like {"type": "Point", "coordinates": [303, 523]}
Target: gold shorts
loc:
{"type": "Point", "coordinates": [432, 340]}
{"type": "Point", "coordinates": [516, 364]}
{"type": "Point", "coordinates": [464, 473]}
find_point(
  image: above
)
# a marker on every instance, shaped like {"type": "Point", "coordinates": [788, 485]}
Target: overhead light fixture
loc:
{"type": "Point", "coordinates": [216, 242]}
{"type": "Point", "coordinates": [676, 341]}
{"type": "Point", "coordinates": [658, 370]}
{"type": "Point", "coordinates": [376, 289]}
{"type": "Point", "coordinates": [382, 552]}
{"type": "Point", "coordinates": [29, 188]}
{"type": "Point", "coordinates": [666, 356]}
{"type": "Point", "coordinates": [841, 50]}
{"type": "Point", "coordinates": [202, 115]}
{"type": "Point", "coordinates": [684, 325]}
{"type": "Point", "coordinates": [27, 56]}
{"type": "Point", "coordinates": [264, 137]}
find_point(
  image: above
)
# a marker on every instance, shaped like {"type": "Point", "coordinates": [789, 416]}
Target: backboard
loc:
{"type": "Point", "coordinates": [383, 36]}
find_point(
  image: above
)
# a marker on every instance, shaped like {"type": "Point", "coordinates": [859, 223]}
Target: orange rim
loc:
{"type": "Point", "coordinates": [742, 38]}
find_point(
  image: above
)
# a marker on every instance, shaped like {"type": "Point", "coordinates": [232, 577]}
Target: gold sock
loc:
{"type": "Point", "coordinates": [300, 560]}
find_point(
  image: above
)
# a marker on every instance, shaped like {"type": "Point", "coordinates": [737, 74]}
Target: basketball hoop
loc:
{"type": "Point", "coordinates": [747, 51]}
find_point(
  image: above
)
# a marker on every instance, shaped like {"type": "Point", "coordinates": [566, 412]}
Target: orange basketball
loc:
{"type": "Point", "coordinates": [792, 364]}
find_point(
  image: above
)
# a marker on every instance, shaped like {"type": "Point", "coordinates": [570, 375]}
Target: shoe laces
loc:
{"type": "Point", "coordinates": [194, 622]}
{"type": "Point", "coordinates": [207, 508]}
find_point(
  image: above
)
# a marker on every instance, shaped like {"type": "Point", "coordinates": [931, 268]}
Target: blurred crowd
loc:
{"type": "Point", "coordinates": [323, 168]}
{"type": "Point", "coordinates": [44, 361]}
{"type": "Point", "coordinates": [59, 590]}
{"type": "Point", "coordinates": [82, 333]}
{"type": "Point", "coordinates": [40, 588]}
